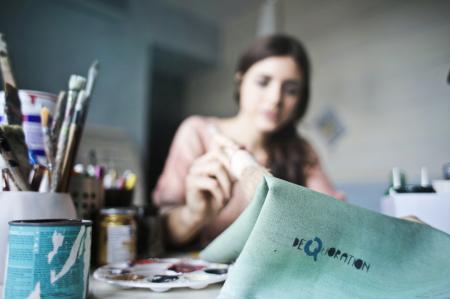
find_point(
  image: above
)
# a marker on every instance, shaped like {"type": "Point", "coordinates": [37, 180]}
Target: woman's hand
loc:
{"type": "Point", "coordinates": [208, 184]}
{"type": "Point", "coordinates": [242, 164]}
{"type": "Point", "coordinates": [208, 187]}
{"type": "Point", "coordinates": [238, 158]}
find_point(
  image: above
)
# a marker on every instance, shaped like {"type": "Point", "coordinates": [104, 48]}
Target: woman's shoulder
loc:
{"type": "Point", "coordinates": [196, 127]}
{"type": "Point", "coordinates": [198, 122]}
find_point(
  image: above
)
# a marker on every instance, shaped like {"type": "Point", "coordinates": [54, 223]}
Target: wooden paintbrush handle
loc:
{"type": "Point", "coordinates": [13, 165]}
{"type": "Point", "coordinates": [59, 159]}
{"type": "Point", "coordinates": [5, 63]}
{"type": "Point", "coordinates": [69, 158]}
{"type": "Point", "coordinates": [58, 118]}
{"type": "Point", "coordinates": [13, 107]}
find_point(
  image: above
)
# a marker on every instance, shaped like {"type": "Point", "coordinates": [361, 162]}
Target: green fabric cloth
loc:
{"type": "Point", "coordinates": [292, 242]}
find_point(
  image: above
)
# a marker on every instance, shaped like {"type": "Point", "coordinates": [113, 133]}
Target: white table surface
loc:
{"type": "Point", "coordinates": [100, 290]}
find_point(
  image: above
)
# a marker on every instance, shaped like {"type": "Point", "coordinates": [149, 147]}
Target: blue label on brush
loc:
{"type": "Point", "coordinates": [29, 118]}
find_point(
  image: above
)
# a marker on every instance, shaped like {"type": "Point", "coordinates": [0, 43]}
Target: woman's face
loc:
{"type": "Point", "coordinates": [269, 92]}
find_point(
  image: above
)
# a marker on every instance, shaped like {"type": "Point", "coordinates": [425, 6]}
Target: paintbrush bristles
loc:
{"type": "Point", "coordinates": [76, 82]}
{"type": "Point", "coordinates": [92, 76]}
{"type": "Point", "coordinates": [44, 117]}
{"type": "Point", "coordinates": [2, 43]}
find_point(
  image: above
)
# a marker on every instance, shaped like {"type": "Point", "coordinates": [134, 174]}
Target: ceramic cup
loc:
{"type": "Point", "coordinates": [31, 103]}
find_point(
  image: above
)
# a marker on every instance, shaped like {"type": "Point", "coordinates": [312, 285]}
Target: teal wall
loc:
{"type": "Point", "coordinates": [50, 40]}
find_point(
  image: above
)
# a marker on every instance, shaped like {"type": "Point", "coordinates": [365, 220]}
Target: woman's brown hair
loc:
{"type": "Point", "coordinates": [289, 154]}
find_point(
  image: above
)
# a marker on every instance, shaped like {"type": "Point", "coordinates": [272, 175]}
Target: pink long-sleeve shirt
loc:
{"type": "Point", "coordinates": [192, 140]}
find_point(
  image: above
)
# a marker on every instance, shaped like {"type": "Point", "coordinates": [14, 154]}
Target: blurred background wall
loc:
{"type": "Point", "coordinates": [49, 40]}
{"type": "Point", "coordinates": [379, 71]}
{"type": "Point", "coordinates": [382, 67]}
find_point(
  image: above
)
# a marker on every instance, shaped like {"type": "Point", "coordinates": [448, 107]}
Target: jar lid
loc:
{"type": "Point", "coordinates": [50, 222]}
{"type": "Point", "coordinates": [118, 211]}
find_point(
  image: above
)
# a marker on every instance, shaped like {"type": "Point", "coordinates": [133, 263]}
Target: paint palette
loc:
{"type": "Point", "coordinates": [160, 275]}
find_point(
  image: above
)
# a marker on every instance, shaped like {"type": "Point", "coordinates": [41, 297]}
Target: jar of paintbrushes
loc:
{"type": "Point", "coordinates": [39, 138]}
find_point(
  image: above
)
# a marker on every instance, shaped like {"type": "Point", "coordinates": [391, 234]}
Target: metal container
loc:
{"type": "Point", "coordinates": [150, 233]}
{"type": "Point", "coordinates": [116, 236]}
{"type": "Point", "coordinates": [48, 258]}
{"type": "Point", "coordinates": [30, 205]}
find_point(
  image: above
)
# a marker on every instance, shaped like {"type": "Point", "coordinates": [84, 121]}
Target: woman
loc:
{"type": "Point", "coordinates": [272, 90]}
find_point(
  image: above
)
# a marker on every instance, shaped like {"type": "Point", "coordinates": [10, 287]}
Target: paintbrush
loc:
{"type": "Point", "coordinates": [73, 141]}
{"type": "Point", "coordinates": [58, 117]}
{"type": "Point", "coordinates": [36, 176]}
{"type": "Point", "coordinates": [45, 182]}
{"type": "Point", "coordinates": [76, 83]}
{"type": "Point", "coordinates": [5, 180]}
{"type": "Point", "coordinates": [46, 136]}
{"type": "Point", "coordinates": [91, 78]}
{"type": "Point", "coordinates": [12, 108]}
{"type": "Point", "coordinates": [5, 64]}
{"type": "Point", "coordinates": [77, 125]}
{"type": "Point", "coordinates": [15, 154]}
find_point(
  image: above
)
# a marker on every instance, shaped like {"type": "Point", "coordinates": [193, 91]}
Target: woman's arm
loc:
{"type": "Point", "coordinates": [169, 194]}
{"type": "Point", "coordinates": [187, 145]}
{"type": "Point", "coordinates": [182, 225]}
{"type": "Point", "coordinates": [208, 189]}
{"type": "Point", "coordinates": [318, 181]}
{"type": "Point", "coordinates": [195, 183]}
{"type": "Point", "coordinates": [316, 178]}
